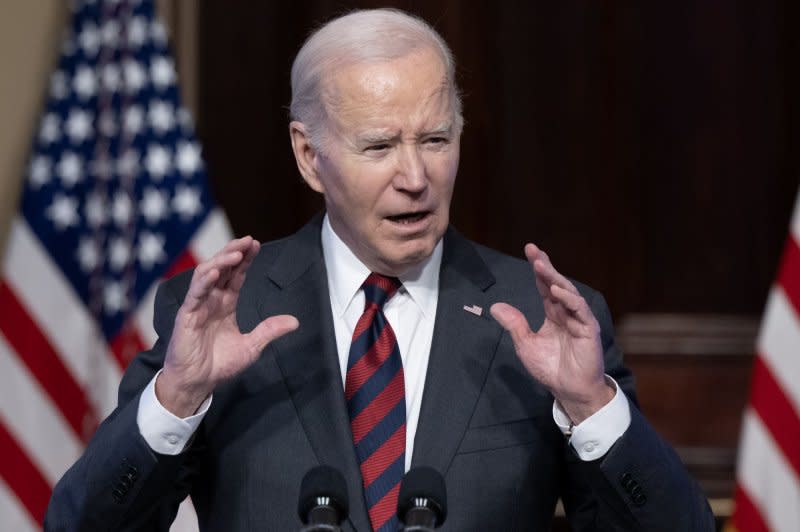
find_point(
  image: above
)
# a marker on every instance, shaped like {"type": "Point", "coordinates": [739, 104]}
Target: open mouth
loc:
{"type": "Point", "coordinates": [408, 217]}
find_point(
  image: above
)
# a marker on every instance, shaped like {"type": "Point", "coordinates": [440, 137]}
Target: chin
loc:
{"type": "Point", "coordinates": [410, 255]}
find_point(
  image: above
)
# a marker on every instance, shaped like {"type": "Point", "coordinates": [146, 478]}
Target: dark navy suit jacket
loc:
{"type": "Point", "coordinates": [485, 424]}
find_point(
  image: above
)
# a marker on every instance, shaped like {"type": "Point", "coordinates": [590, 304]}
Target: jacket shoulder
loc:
{"type": "Point", "coordinates": [513, 272]}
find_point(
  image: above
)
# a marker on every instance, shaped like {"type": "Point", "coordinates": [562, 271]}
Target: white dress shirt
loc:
{"type": "Point", "coordinates": [411, 312]}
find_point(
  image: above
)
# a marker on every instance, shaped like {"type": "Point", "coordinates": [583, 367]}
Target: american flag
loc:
{"type": "Point", "coordinates": [768, 472]}
{"type": "Point", "coordinates": [115, 198]}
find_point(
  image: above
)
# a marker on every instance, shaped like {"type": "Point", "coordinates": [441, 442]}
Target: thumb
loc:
{"type": "Point", "coordinates": [270, 329]}
{"type": "Point", "coordinates": [513, 321]}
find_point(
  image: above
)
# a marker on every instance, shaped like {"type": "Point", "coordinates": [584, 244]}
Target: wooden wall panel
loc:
{"type": "Point", "coordinates": [649, 148]}
{"type": "Point", "coordinates": [692, 375]}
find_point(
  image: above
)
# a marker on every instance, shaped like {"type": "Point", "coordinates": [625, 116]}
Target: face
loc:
{"type": "Point", "coordinates": [389, 159]}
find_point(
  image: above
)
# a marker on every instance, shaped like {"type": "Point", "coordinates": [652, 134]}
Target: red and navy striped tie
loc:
{"type": "Point", "coordinates": [376, 400]}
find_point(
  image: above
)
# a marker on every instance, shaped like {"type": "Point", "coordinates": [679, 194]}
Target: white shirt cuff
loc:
{"type": "Point", "coordinates": [592, 438]}
{"type": "Point", "coordinates": [163, 431]}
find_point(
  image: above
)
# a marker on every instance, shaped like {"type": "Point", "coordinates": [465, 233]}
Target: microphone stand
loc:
{"type": "Point", "coordinates": [321, 517]}
{"type": "Point", "coordinates": [418, 518]}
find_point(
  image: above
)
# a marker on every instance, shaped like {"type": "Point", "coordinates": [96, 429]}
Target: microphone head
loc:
{"type": "Point", "coordinates": [323, 482]}
{"type": "Point", "coordinates": [423, 484]}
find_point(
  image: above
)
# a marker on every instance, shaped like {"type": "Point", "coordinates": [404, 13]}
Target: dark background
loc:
{"type": "Point", "coordinates": [651, 148]}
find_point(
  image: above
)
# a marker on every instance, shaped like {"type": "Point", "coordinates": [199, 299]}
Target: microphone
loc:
{"type": "Point", "coordinates": [422, 503]}
{"type": "Point", "coordinates": [323, 501]}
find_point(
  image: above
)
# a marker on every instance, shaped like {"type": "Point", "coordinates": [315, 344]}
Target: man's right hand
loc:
{"type": "Point", "coordinates": [207, 347]}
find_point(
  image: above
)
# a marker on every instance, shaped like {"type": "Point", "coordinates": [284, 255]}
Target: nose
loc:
{"type": "Point", "coordinates": [411, 175]}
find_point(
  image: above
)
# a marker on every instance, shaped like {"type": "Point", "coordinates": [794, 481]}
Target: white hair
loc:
{"type": "Point", "coordinates": [366, 36]}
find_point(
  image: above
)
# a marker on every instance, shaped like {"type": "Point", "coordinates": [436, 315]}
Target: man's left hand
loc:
{"type": "Point", "coordinates": [565, 354]}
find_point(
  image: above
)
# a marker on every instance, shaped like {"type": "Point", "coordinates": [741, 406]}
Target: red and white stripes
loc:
{"type": "Point", "coordinates": [768, 471]}
{"type": "Point", "coordinates": [58, 377]}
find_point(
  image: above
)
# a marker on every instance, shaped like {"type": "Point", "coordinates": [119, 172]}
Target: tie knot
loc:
{"type": "Point", "coordinates": [379, 288]}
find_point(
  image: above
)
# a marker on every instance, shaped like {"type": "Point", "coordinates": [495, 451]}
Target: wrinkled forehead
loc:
{"type": "Point", "coordinates": [414, 87]}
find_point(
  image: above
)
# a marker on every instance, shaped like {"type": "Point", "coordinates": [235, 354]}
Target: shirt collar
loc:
{"type": "Point", "coordinates": [346, 273]}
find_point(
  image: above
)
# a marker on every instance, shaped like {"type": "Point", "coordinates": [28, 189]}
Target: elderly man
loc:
{"type": "Point", "coordinates": [364, 342]}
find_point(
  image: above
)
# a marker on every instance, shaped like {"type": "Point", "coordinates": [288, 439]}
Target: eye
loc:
{"type": "Point", "coordinates": [437, 142]}
{"type": "Point", "coordinates": [377, 147]}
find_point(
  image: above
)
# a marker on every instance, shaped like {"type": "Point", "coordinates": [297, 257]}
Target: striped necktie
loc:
{"type": "Point", "coordinates": [375, 393]}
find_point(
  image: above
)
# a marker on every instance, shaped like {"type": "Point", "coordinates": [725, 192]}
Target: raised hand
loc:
{"type": "Point", "coordinates": [207, 347]}
{"type": "Point", "coordinates": [565, 354]}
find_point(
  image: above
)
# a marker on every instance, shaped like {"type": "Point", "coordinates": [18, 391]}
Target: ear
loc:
{"type": "Point", "coordinates": [306, 155]}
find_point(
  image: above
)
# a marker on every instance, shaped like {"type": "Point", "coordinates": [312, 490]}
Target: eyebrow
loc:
{"type": "Point", "coordinates": [371, 137]}
{"type": "Point", "coordinates": [442, 128]}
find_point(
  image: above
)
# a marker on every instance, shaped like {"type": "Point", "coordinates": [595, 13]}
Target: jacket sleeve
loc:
{"type": "Point", "coordinates": [119, 483]}
{"type": "Point", "coordinates": [640, 484]}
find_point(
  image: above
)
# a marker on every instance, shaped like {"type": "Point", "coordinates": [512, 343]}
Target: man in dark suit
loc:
{"type": "Point", "coordinates": [272, 359]}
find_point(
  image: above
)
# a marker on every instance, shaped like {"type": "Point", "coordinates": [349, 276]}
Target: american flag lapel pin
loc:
{"type": "Point", "coordinates": [474, 309]}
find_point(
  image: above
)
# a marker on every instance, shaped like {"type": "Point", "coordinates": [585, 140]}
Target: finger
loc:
{"type": "Point", "coordinates": [233, 276]}
{"type": "Point", "coordinates": [550, 276]}
{"type": "Point", "coordinates": [211, 275]}
{"type": "Point", "coordinates": [536, 254]}
{"type": "Point", "coordinates": [199, 289]}
{"type": "Point", "coordinates": [240, 244]}
{"type": "Point", "coordinates": [546, 274]}
{"type": "Point", "coordinates": [239, 272]}
{"type": "Point", "coordinates": [556, 312]}
{"type": "Point", "coordinates": [233, 253]}
{"type": "Point", "coordinates": [224, 263]}
{"type": "Point", "coordinates": [532, 252]}
{"type": "Point", "coordinates": [219, 260]}
{"type": "Point", "coordinates": [575, 304]}
{"type": "Point", "coordinates": [270, 329]}
{"type": "Point", "coordinates": [513, 321]}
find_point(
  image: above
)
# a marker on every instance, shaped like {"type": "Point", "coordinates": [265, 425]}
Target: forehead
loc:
{"type": "Point", "coordinates": [411, 91]}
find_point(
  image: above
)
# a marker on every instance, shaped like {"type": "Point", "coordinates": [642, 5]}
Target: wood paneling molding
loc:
{"type": "Point", "coordinates": [688, 334]}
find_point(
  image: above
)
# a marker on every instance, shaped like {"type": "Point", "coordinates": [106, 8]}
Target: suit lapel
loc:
{"type": "Point", "coordinates": [462, 350]}
{"type": "Point", "coordinates": [308, 359]}
{"type": "Point", "coordinates": [461, 353]}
